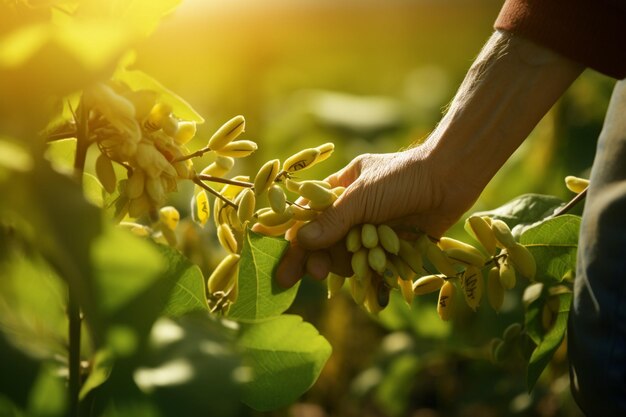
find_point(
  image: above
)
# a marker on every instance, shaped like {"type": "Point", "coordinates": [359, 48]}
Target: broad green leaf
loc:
{"type": "Point", "coordinates": [525, 209]}
{"type": "Point", "coordinates": [139, 80]}
{"type": "Point", "coordinates": [189, 293]}
{"type": "Point", "coordinates": [124, 266]}
{"type": "Point", "coordinates": [286, 356]}
{"type": "Point", "coordinates": [553, 243]}
{"type": "Point", "coordinates": [259, 294]}
{"type": "Point", "coordinates": [93, 190]}
{"type": "Point", "coordinates": [100, 371]}
{"type": "Point", "coordinates": [550, 342]}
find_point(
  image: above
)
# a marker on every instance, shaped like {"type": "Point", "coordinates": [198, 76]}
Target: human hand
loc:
{"type": "Point", "coordinates": [405, 190]}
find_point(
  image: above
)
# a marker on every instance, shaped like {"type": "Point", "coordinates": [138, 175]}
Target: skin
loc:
{"type": "Point", "coordinates": [427, 188]}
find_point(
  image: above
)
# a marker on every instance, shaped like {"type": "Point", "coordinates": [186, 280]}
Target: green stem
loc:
{"type": "Point", "coordinates": [199, 182]}
{"type": "Point", "coordinates": [577, 199]}
{"type": "Point", "coordinates": [211, 178]}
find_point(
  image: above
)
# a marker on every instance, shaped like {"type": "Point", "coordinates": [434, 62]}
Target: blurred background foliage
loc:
{"type": "Point", "coordinates": [369, 76]}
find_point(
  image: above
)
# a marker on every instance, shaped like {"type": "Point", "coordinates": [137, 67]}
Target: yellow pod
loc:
{"type": "Point", "coordinates": [316, 193]}
{"type": "Point", "coordinates": [388, 239]}
{"type": "Point", "coordinates": [439, 259]}
{"type": "Point", "coordinates": [238, 149]}
{"type": "Point", "coordinates": [303, 213]}
{"type": "Point", "coordinates": [227, 239]}
{"type": "Point", "coordinates": [246, 204]}
{"type": "Point", "coordinates": [277, 199]}
{"type": "Point", "coordinates": [358, 290]}
{"type": "Point", "coordinates": [360, 264]}
{"type": "Point", "coordinates": [326, 150]}
{"type": "Point", "coordinates": [338, 191]}
{"type": "Point", "coordinates": [225, 162]}
{"type": "Point", "coordinates": [495, 292]}
{"type": "Point", "coordinates": [301, 160]}
{"type": "Point", "coordinates": [274, 231]}
{"type": "Point", "coordinates": [353, 239]}
{"type": "Point", "coordinates": [369, 236]}
{"type": "Point", "coordinates": [266, 175]}
{"type": "Point", "coordinates": [228, 132]}
{"type": "Point", "coordinates": [271, 218]}
{"type": "Point", "coordinates": [169, 217]}
{"type": "Point", "coordinates": [200, 208]}
{"type": "Point", "coordinates": [483, 233]}
{"type": "Point", "coordinates": [465, 257]}
{"type": "Point", "coordinates": [371, 302]}
{"type": "Point", "coordinates": [390, 274]}
{"type": "Point", "coordinates": [224, 275]}
{"type": "Point", "coordinates": [523, 260]}
{"type": "Point", "coordinates": [231, 191]}
{"type": "Point", "coordinates": [445, 305]}
{"type": "Point", "coordinates": [136, 183]}
{"type": "Point", "coordinates": [377, 259]}
{"type": "Point", "coordinates": [323, 204]}
{"type": "Point", "coordinates": [185, 132]}
{"type": "Point", "coordinates": [507, 274]}
{"type": "Point", "coordinates": [409, 254]}
{"type": "Point", "coordinates": [446, 243]}
{"type": "Point", "coordinates": [404, 270]}
{"type": "Point", "coordinates": [291, 185]}
{"type": "Point", "coordinates": [334, 283]}
{"type": "Point", "coordinates": [214, 170]}
{"type": "Point", "coordinates": [428, 284]}
{"type": "Point", "coordinates": [154, 120]}
{"type": "Point", "coordinates": [406, 289]}
{"type": "Point", "coordinates": [576, 184]}
{"type": "Point", "coordinates": [503, 233]}
{"type": "Point", "coordinates": [473, 286]}
{"type": "Point", "coordinates": [106, 173]}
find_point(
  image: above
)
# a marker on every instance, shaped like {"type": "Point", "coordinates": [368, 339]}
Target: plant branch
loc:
{"type": "Point", "coordinates": [199, 152]}
{"type": "Point", "coordinates": [199, 182]}
{"type": "Point", "coordinates": [571, 204]}
{"type": "Point", "coordinates": [211, 178]}
{"type": "Point", "coordinates": [61, 135]}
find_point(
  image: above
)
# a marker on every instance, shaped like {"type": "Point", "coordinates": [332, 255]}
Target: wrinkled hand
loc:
{"type": "Point", "coordinates": [402, 189]}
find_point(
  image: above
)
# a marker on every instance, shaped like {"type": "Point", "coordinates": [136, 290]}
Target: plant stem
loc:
{"type": "Point", "coordinates": [199, 152]}
{"type": "Point", "coordinates": [211, 178]}
{"type": "Point", "coordinates": [577, 199]}
{"type": "Point", "coordinates": [199, 182]}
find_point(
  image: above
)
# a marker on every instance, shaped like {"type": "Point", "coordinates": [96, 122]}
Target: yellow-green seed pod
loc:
{"type": "Point", "coordinates": [446, 243]}
{"type": "Point", "coordinates": [200, 208]}
{"type": "Point", "coordinates": [523, 260]}
{"type": "Point", "coordinates": [445, 305]}
{"type": "Point", "coordinates": [404, 270]}
{"type": "Point", "coordinates": [301, 160]}
{"type": "Point", "coordinates": [334, 283]}
{"type": "Point", "coordinates": [465, 257]}
{"type": "Point", "coordinates": [225, 162]}
{"type": "Point", "coordinates": [507, 274]}
{"type": "Point", "coordinates": [409, 254]}
{"type": "Point", "coordinates": [338, 191]}
{"type": "Point", "coordinates": [271, 218]}
{"type": "Point", "coordinates": [303, 214]}
{"type": "Point", "coordinates": [358, 290]}
{"type": "Point", "coordinates": [326, 150]}
{"type": "Point", "coordinates": [406, 289]}
{"type": "Point", "coordinates": [293, 186]}
{"type": "Point", "coordinates": [390, 274]}
{"type": "Point", "coordinates": [388, 239]}
{"type": "Point", "coordinates": [214, 170]}
{"type": "Point", "coordinates": [246, 205]}
{"type": "Point", "coordinates": [371, 302]}
{"type": "Point", "coordinates": [322, 204]}
{"type": "Point", "coordinates": [230, 191]}
{"type": "Point", "coordinates": [369, 236]}
{"type": "Point", "coordinates": [503, 233]}
{"type": "Point", "coordinates": [576, 184]}
{"type": "Point", "coordinates": [277, 199]}
{"type": "Point", "coordinates": [227, 133]}
{"type": "Point", "coordinates": [428, 284]}
{"type": "Point", "coordinates": [185, 132]}
{"type": "Point", "coordinates": [274, 231]}
{"type": "Point", "coordinates": [159, 112]}
{"type": "Point", "coordinates": [439, 259]}
{"type": "Point", "coordinates": [238, 149]}
{"type": "Point", "coordinates": [169, 217]}
{"type": "Point", "coordinates": [224, 275]}
{"type": "Point", "coordinates": [316, 193]}
{"type": "Point", "coordinates": [227, 239]}
{"type": "Point", "coordinates": [106, 173]}
{"type": "Point", "coordinates": [495, 292]}
{"type": "Point", "coordinates": [473, 286]}
{"type": "Point", "coordinates": [353, 239]}
{"type": "Point", "coordinates": [360, 265]}
{"type": "Point", "coordinates": [266, 175]}
{"type": "Point", "coordinates": [135, 184]}
{"type": "Point", "coordinates": [483, 233]}
{"type": "Point", "coordinates": [377, 259]}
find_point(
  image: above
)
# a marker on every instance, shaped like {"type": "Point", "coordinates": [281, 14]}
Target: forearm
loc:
{"type": "Point", "coordinates": [509, 88]}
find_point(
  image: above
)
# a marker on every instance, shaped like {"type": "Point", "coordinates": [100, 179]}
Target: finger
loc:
{"type": "Point", "coordinates": [318, 265]}
{"type": "Point", "coordinates": [340, 259]}
{"type": "Point", "coordinates": [291, 267]}
{"type": "Point", "coordinates": [329, 227]}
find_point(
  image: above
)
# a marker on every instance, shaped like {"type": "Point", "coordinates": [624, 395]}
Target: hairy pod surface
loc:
{"type": "Point", "coordinates": [483, 233]}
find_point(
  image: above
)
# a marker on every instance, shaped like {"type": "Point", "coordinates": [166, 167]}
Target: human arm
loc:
{"type": "Point", "coordinates": [510, 86]}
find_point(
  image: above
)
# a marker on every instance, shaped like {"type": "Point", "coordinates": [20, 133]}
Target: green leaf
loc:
{"type": "Point", "coordinates": [100, 371]}
{"type": "Point", "coordinates": [94, 192]}
{"type": "Point", "coordinates": [550, 342]}
{"type": "Point", "coordinates": [124, 266]}
{"type": "Point", "coordinates": [259, 294]}
{"type": "Point", "coordinates": [188, 294]}
{"type": "Point", "coordinates": [553, 243]}
{"type": "Point", "coordinates": [139, 80]}
{"type": "Point", "coordinates": [525, 209]}
{"type": "Point", "coordinates": [286, 356]}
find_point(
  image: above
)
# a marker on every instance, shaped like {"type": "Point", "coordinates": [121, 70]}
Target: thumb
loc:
{"type": "Point", "coordinates": [329, 227]}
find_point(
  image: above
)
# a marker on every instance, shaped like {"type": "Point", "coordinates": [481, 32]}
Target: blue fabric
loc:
{"type": "Point", "coordinates": [597, 322]}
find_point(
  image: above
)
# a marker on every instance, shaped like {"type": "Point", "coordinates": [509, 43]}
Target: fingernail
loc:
{"type": "Point", "coordinates": [311, 231]}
